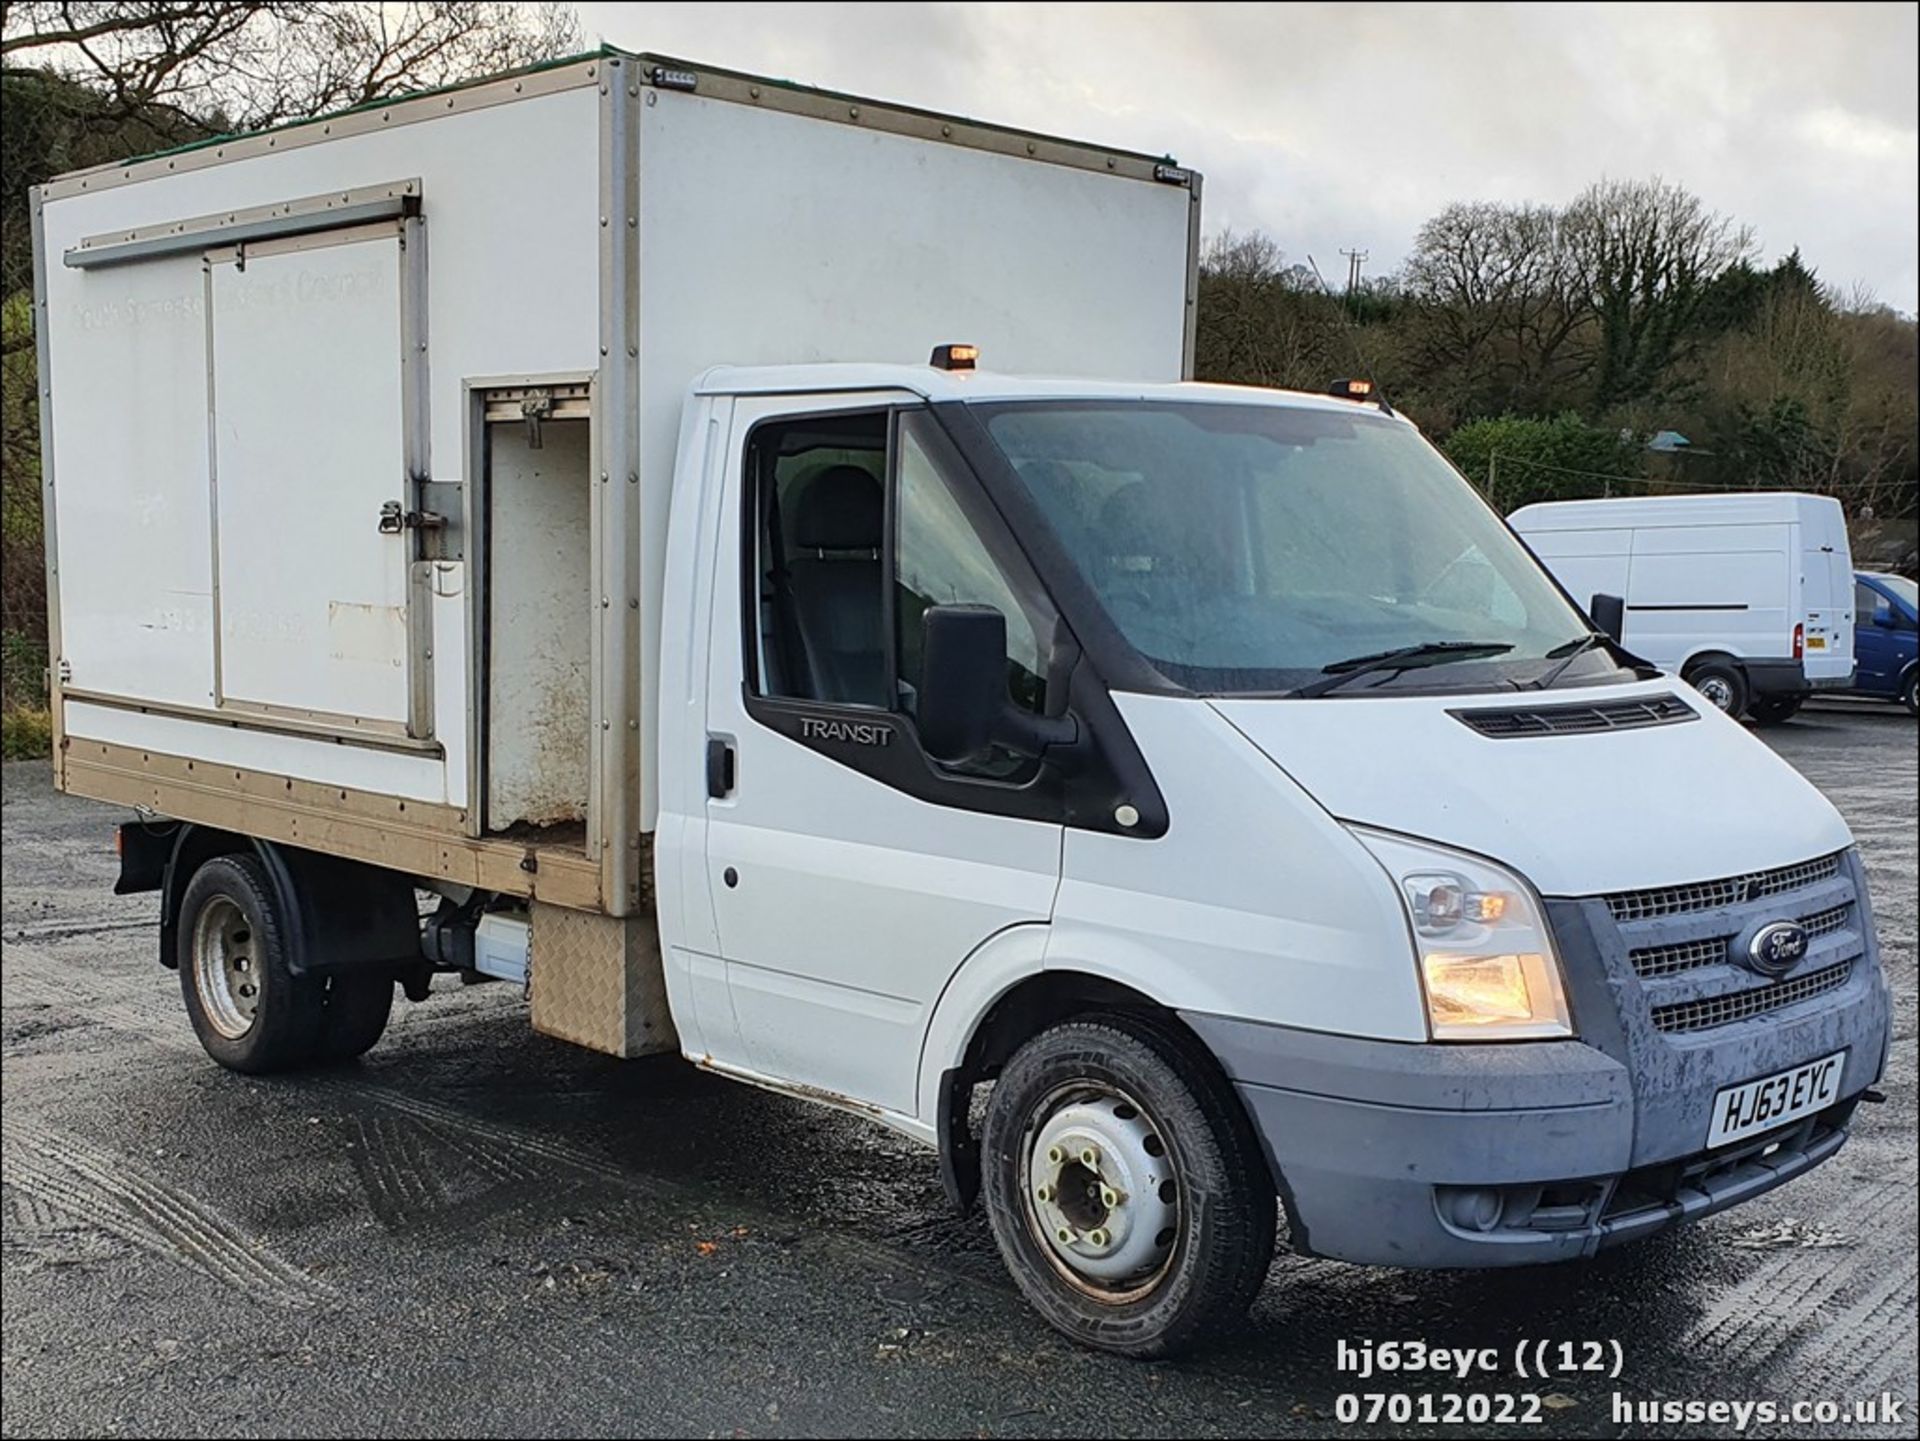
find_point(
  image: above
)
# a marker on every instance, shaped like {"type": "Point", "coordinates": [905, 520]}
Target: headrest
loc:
{"type": "Point", "coordinates": [1129, 521]}
{"type": "Point", "coordinates": [841, 509]}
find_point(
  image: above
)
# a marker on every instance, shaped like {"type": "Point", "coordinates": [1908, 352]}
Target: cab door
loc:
{"type": "Point", "coordinates": [850, 876]}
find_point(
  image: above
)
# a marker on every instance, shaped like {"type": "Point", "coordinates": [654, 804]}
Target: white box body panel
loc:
{"type": "Point", "coordinates": [329, 635]}
{"type": "Point", "coordinates": [219, 467]}
{"type": "Point", "coordinates": [510, 194]}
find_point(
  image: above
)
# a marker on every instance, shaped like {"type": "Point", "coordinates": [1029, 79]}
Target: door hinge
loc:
{"type": "Point", "coordinates": [395, 518]}
{"type": "Point", "coordinates": [535, 406]}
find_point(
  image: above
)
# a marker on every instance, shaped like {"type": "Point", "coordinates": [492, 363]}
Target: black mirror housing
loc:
{"type": "Point", "coordinates": [965, 683]}
{"type": "Point", "coordinates": [964, 708]}
{"type": "Point", "coordinates": [1608, 614]}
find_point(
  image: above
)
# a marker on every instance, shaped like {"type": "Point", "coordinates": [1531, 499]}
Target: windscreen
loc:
{"type": "Point", "coordinates": [1245, 548]}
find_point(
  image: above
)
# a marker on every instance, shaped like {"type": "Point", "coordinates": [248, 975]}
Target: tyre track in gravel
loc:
{"type": "Point", "coordinates": [107, 1191]}
{"type": "Point", "coordinates": [494, 1146]}
{"type": "Point", "coordinates": [1784, 1301]}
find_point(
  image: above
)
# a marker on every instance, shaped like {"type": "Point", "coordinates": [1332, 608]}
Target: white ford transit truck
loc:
{"type": "Point", "coordinates": [602, 527]}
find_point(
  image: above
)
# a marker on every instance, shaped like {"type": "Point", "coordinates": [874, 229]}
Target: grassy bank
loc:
{"type": "Point", "coordinates": [25, 734]}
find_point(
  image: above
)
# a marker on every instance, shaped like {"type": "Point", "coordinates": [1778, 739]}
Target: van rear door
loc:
{"type": "Point", "coordinates": [1826, 590]}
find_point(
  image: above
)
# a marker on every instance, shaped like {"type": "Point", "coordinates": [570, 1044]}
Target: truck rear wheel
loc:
{"type": "Point", "coordinates": [1775, 710]}
{"type": "Point", "coordinates": [1125, 1187]}
{"type": "Point", "coordinates": [250, 1011]}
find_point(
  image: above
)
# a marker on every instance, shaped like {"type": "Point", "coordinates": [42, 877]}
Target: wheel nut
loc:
{"type": "Point", "coordinates": [1098, 1236]}
{"type": "Point", "coordinates": [1043, 1193]}
{"type": "Point", "coordinates": [1109, 1197]}
{"type": "Point", "coordinates": [1056, 1155]}
{"type": "Point", "coordinates": [1090, 1158]}
{"type": "Point", "coordinates": [1066, 1236]}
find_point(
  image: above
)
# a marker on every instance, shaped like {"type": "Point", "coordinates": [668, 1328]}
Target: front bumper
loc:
{"type": "Point", "coordinates": [1502, 1154]}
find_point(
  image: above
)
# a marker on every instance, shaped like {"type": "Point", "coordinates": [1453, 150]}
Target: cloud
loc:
{"type": "Point", "coordinates": [1337, 126]}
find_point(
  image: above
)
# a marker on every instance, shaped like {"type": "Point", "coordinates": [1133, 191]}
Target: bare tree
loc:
{"type": "Point", "coordinates": [242, 64]}
{"type": "Point", "coordinates": [1645, 253]}
{"type": "Point", "coordinates": [1495, 305]}
{"type": "Point", "coordinates": [1258, 323]}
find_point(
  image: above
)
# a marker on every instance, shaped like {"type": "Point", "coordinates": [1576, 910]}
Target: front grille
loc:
{"type": "Point", "coordinates": [1507, 724]}
{"type": "Point", "coordinates": [1827, 921]}
{"type": "Point", "coordinates": [1698, 1015]}
{"type": "Point", "coordinates": [1651, 961]}
{"type": "Point", "coordinates": [1667, 960]}
{"type": "Point", "coordinates": [1711, 895]}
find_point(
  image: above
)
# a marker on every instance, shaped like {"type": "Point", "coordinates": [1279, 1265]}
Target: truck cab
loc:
{"type": "Point", "coordinates": [1140, 751]}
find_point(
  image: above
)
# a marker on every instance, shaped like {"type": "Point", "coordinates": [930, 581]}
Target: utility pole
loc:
{"type": "Point", "coordinates": [1355, 259]}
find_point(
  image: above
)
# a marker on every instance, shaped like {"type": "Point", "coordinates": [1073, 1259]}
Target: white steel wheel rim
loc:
{"type": "Point", "coordinates": [1100, 1191]}
{"type": "Point", "coordinates": [1718, 690]}
{"type": "Point", "coordinates": [226, 967]}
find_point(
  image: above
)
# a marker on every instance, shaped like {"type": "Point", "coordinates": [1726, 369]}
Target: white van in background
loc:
{"type": "Point", "coordinates": [1749, 598]}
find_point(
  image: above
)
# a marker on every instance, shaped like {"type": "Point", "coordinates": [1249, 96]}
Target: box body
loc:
{"type": "Point", "coordinates": [360, 434]}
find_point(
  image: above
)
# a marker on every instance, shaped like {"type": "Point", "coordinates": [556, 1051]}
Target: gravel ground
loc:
{"type": "Point", "coordinates": [479, 1231]}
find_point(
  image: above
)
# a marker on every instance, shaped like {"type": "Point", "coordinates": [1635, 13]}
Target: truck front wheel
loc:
{"type": "Point", "coordinates": [250, 1011]}
{"type": "Point", "coordinates": [1125, 1187]}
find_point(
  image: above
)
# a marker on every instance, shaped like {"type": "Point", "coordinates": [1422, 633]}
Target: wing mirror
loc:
{"type": "Point", "coordinates": [1609, 615]}
{"type": "Point", "coordinates": [1883, 617]}
{"type": "Point", "coordinates": [964, 708]}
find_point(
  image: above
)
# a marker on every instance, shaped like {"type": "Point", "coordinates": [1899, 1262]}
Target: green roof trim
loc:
{"type": "Point", "coordinates": [398, 98]}
{"type": "Point", "coordinates": [600, 53]}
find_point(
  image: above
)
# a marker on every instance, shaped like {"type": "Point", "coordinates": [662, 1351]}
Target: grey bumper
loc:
{"type": "Point", "coordinates": [1475, 1155]}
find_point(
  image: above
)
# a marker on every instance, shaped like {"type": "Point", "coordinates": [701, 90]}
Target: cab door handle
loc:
{"type": "Point", "coordinates": [720, 768]}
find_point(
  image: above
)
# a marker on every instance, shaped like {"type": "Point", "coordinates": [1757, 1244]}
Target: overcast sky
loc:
{"type": "Point", "coordinates": [1333, 126]}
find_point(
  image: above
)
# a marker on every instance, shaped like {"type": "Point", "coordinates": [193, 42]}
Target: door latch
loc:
{"type": "Point", "coordinates": [395, 518]}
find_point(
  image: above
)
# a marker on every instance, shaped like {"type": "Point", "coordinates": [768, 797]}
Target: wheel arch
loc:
{"type": "Point", "coordinates": [338, 913]}
{"type": "Point", "coordinates": [1700, 657]}
{"type": "Point", "coordinates": [1001, 996]}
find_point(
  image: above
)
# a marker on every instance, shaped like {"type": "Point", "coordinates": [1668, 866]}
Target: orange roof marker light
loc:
{"type": "Point", "coordinates": [955, 357]}
{"type": "Point", "coordinates": [1352, 389]}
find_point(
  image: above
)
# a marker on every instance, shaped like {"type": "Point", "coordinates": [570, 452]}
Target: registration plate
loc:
{"type": "Point", "coordinates": [1816, 642]}
{"type": "Point", "coordinates": [1775, 1100]}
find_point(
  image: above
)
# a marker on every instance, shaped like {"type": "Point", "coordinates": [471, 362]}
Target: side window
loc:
{"type": "Point", "coordinates": [939, 560]}
{"type": "Point", "coordinates": [1865, 598]}
{"type": "Point", "coordinates": [834, 559]}
{"type": "Point", "coordinates": [818, 542]}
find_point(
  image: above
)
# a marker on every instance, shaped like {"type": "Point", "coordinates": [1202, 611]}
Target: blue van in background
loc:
{"type": "Point", "coordinates": [1886, 633]}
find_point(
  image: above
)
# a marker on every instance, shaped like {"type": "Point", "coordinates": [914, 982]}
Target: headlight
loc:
{"type": "Point", "coordinates": [1486, 955]}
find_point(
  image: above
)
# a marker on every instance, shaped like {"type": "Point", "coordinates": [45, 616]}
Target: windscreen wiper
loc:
{"type": "Point", "coordinates": [1566, 655]}
{"type": "Point", "coordinates": [1406, 657]}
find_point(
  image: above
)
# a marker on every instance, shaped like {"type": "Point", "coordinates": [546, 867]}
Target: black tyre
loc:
{"type": "Point", "coordinates": [251, 1013]}
{"type": "Point", "coordinates": [1127, 1192]}
{"type": "Point", "coordinates": [355, 1016]}
{"type": "Point", "coordinates": [1910, 693]}
{"type": "Point", "coordinates": [1723, 683]}
{"type": "Point", "coordinates": [1775, 710]}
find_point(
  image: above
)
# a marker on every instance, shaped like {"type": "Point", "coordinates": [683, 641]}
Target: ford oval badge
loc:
{"type": "Point", "coordinates": [1777, 947]}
